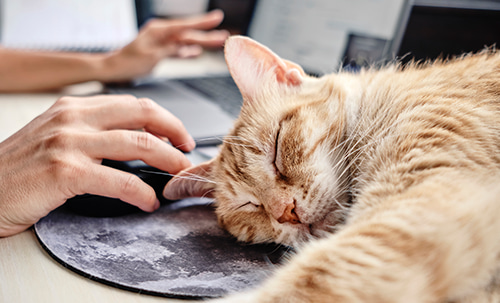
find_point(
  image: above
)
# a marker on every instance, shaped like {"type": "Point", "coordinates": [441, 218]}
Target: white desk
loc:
{"type": "Point", "coordinates": [27, 272]}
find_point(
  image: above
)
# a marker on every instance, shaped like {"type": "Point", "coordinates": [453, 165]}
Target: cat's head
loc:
{"type": "Point", "coordinates": [279, 176]}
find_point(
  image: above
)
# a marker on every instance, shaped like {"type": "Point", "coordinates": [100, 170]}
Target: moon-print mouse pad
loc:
{"type": "Point", "coordinates": [178, 251]}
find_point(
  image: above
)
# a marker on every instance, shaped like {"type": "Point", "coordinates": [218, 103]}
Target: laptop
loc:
{"type": "Point", "coordinates": [320, 35]}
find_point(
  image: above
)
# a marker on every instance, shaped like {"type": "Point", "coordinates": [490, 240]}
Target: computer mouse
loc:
{"type": "Point", "coordinates": [99, 206]}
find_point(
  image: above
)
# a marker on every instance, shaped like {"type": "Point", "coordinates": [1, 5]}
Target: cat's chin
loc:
{"type": "Point", "coordinates": [319, 229]}
{"type": "Point", "coordinates": [324, 227]}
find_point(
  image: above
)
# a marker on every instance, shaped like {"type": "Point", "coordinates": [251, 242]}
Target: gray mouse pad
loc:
{"type": "Point", "coordinates": [178, 251]}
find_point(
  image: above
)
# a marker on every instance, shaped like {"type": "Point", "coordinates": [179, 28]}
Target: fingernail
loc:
{"type": "Point", "coordinates": [157, 204]}
{"type": "Point", "coordinates": [222, 34]}
{"type": "Point", "coordinates": [216, 12]}
{"type": "Point", "coordinates": [191, 145]}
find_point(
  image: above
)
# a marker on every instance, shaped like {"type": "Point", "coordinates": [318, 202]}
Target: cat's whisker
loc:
{"type": "Point", "coordinates": [238, 138]}
{"type": "Point", "coordinates": [196, 177]}
{"type": "Point", "coordinates": [212, 138]}
{"type": "Point", "coordinates": [286, 255]}
{"type": "Point", "coordinates": [205, 195]}
{"type": "Point", "coordinates": [238, 144]}
{"type": "Point", "coordinates": [339, 204]}
{"type": "Point", "coordinates": [361, 148]}
{"type": "Point", "coordinates": [192, 177]}
{"type": "Point", "coordinates": [200, 140]}
{"type": "Point", "coordinates": [269, 263]}
{"type": "Point", "coordinates": [199, 177]}
{"type": "Point", "coordinates": [358, 151]}
{"type": "Point", "coordinates": [230, 140]}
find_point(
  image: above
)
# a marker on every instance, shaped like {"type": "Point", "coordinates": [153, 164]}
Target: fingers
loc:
{"type": "Point", "coordinates": [144, 113]}
{"type": "Point", "coordinates": [103, 124]}
{"type": "Point", "coordinates": [109, 182]}
{"type": "Point", "coordinates": [202, 22]}
{"type": "Point", "coordinates": [125, 145]}
{"type": "Point", "coordinates": [63, 147]}
{"type": "Point", "coordinates": [193, 30]}
{"type": "Point", "coordinates": [93, 128]}
{"type": "Point", "coordinates": [107, 127]}
{"type": "Point", "coordinates": [127, 112]}
{"type": "Point", "coordinates": [189, 51]}
{"type": "Point", "coordinates": [213, 39]}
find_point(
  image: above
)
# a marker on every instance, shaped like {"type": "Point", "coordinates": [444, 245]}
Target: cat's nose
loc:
{"type": "Point", "coordinates": [289, 215]}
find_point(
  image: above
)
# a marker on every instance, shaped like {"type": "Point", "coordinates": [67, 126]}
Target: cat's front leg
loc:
{"type": "Point", "coordinates": [330, 271]}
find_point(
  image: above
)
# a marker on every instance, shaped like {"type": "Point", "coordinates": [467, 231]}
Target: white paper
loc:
{"type": "Point", "coordinates": [62, 24]}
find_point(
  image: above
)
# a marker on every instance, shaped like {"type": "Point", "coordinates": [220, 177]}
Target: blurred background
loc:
{"type": "Point", "coordinates": [420, 29]}
{"type": "Point", "coordinates": [450, 27]}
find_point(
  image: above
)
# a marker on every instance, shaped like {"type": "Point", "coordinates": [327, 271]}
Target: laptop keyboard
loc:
{"type": "Point", "coordinates": [222, 90]}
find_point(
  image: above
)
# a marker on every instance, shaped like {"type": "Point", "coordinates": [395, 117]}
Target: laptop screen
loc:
{"type": "Point", "coordinates": [316, 33]}
{"type": "Point", "coordinates": [450, 28]}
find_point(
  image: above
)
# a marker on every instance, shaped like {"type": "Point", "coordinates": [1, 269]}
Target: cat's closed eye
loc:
{"type": "Point", "coordinates": [249, 205]}
{"type": "Point", "coordinates": [277, 159]}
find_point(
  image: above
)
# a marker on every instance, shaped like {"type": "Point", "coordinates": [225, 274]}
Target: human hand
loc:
{"type": "Point", "coordinates": [58, 154]}
{"type": "Point", "coordinates": [160, 38]}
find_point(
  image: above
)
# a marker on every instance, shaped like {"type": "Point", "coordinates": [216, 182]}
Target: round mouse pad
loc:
{"type": "Point", "coordinates": [177, 251]}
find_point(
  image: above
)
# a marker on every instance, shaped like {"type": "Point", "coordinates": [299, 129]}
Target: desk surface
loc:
{"type": "Point", "coordinates": [27, 272]}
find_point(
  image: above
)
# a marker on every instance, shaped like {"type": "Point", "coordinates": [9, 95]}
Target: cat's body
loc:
{"type": "Point", "coordinates": [395, 169]}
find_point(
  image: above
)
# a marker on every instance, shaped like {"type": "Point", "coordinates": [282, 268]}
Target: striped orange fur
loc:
{"type": "Point", "coordinates": [386, 180]}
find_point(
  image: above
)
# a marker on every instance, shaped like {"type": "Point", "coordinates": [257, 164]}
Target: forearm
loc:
{"type": "Point", "coordinates": [32, 71]}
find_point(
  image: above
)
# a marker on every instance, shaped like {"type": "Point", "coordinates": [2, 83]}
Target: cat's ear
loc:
{"type": "Point", "coordinates": [250, 62]}
{"type": "Point", "coordinates": [191, 182]}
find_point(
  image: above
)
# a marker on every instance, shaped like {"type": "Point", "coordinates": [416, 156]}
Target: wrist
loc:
{"type": "Point", "coordinates": [101, 67]}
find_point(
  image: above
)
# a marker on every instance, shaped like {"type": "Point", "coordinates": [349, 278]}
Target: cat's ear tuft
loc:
{"type": "Point", "coordinates": [294, 76]}
{"type": "Point", "coordinates": [192, 182]}
{"type": "Point", "coordinates": [249, 61]}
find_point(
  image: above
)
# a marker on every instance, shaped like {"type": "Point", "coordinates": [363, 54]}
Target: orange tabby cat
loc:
{"type": "Point", "coordinates": [394, 170]}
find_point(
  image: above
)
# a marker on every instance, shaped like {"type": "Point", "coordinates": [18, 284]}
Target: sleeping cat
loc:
{"type": "Point", "coordinates": [386, 180]}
